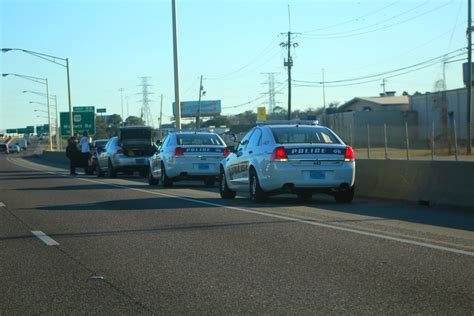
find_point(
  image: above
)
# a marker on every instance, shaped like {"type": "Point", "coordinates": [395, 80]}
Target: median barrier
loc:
{"type": "Point", "coordinates": [426, 182]}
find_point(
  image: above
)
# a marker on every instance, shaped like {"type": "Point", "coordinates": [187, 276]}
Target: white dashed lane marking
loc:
{"type": "Point", "coordinates": [45, 238]}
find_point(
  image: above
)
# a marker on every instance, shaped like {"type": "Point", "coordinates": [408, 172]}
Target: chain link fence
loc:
{"type": "Point", "coordinates": [409, 142]}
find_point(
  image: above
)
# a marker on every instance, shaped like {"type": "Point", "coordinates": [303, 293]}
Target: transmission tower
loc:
{"type": "Point", "coordinates": [271, 91]}
{"type": "Point", "coordinates": [145, 112]}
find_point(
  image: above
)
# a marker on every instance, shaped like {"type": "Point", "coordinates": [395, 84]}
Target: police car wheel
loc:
{"type": "Point", "coordinates": [224, 190]}
{"type": "Point", "coordinates": [165, 180]}
{"type": "Point", "coordinates": [257, 195]}
{"type": "Point", "coordinates": [345, 196]}
{"type": "Point", "coordinates": [152, 180]}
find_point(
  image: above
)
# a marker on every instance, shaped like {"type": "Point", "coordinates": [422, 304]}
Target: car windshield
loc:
{"type": "Point", "coordinates": [100, 143]}
{"type": "Point", "coordinates": [198, 139]}
{"type": "Point", "coordinates": [303, 135]}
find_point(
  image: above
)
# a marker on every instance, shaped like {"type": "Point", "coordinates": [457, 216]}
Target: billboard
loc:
{"type": "Point", "coordinates": [191, 108]}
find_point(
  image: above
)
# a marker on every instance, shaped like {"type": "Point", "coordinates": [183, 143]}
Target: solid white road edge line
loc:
{"type": "Point", "coordinates": [287, 218]}
{"type": "Point", "coordinates": [44, 238]}
{"type": "Point", "coordinates": [2, 204]}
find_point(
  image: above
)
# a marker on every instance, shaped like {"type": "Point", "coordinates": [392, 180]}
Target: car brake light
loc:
{"type": "Point", "coordinates": [349, 156]}
{"type": "Point", "coordinates": [178, 151]}
{"type": "Point", "coordinates": [226, 153]}
{"type": "Point", "coordinates": [120, 151]}
{"type": "Point", "coordinates": [279, 154]}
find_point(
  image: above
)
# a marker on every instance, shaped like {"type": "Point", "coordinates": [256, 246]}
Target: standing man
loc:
{"type": "Point", "coordinates": [85, 150]}
{"type": "Point", "coordinates": [73, 154]}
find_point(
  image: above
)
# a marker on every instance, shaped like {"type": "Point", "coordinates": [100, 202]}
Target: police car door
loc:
{"type": "Point", "coordinates": [237, 171]}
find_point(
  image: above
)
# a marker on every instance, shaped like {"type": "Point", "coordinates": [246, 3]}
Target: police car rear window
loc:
{"type": "Point", "coordinates": [303, 135]}
{"type": "Point", "coordinates": [198, 139]}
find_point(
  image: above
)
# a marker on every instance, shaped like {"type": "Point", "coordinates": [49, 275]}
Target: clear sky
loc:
{"type": "Point", "coordinates": [111, 43]}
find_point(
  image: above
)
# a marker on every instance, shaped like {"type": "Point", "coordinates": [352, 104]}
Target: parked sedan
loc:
{"type": "Point", "coordinates": [289, 158]}
{"type": "Point", "coordinates": [187, 155]}
{"type": "Point", "coordinates": [128, 152]}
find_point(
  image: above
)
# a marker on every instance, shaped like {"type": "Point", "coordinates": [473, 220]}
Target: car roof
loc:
{"type": "Point", "coordinates": [194, 133]}
{"type": "Point", "coordinates": [135, 127]}
{"type": "Point", "coordinates": [294, 125]}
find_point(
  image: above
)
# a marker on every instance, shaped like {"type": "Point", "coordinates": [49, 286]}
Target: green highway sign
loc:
{"type": "Point", "coordinates": [83, 121]}
{"type": "Point", "coordinates": [22, 131]}
{"type": "Point", "coordinates": [101, 110]}
{"type": "Point", "coordinates": [41, 129]}
{"type": "Point", "coordinates": [83, 109]}
{"type": "Point", "coordinates": [12, 131]}
{"type": "Point", "coordinates": [30, 129]}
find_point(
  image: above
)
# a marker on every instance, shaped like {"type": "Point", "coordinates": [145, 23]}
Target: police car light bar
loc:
{"type": "Point", "coordinates": [294, 121]}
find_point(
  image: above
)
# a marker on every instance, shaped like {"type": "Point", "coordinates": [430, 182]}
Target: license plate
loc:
{"type": "Point", "coordinates": [202, 166]}
{"type": "Point", "coordinates": [140, 161]}
{"type": "Point", "coordinates": [317, 175]}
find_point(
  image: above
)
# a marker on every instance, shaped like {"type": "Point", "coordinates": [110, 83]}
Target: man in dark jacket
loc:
{"type": "Point", "coordinates": [73, 154]}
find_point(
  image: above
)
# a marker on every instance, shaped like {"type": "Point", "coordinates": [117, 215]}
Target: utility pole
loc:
{"type": "Point", "coordinates": [384, 82]}
{"type": "Point", "coordinates": [161, 111]}
{"type": "Point", "coordinates": [126, 99]}
{"type": "Point", "coordinates": [324, 94]}
{"type": "Point", "coordinates": [289, 61]}
{"type": "Point", "coordinates": [121, 103]}
{"type": "Point", "coordinates": [198, 118]}
{"type": "Point", "coordinates": [469, 80]}
{"type": "Point", "coordinates": [176, 67]}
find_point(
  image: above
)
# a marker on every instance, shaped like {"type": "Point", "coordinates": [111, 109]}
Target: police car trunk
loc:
{"type": "Point", "coordinates": [310, 157]}
{"type": "Point", "coordinates": [198, 154]}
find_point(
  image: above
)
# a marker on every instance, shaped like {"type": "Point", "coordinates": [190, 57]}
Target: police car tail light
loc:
{"type": "Point", "coordinates": [349, 154]}
{"type": "Point", "coordinates": [226, 153]}
{"type": "Point", "coordinates": [178, 151]}
{"type": "Point", "coordinates": [120, 151]}
{"type": "Point", "coordinates": [279, 154]}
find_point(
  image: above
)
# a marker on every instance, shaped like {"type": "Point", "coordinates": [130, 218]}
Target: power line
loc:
{"type": "Point", "coordinates": [352, 33]}
{"type": "Point", "coordinates": [279, 89]}
{"type": "Point", "coordinates": [352, 20]}
{"type": "Point", "coordinates": [429, 61]}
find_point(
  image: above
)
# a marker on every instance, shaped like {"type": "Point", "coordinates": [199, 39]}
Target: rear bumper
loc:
{"type": "Point", "coordinates": [284, 176]}
{"type": "Point", "coordinates": [122, 162]}
{"type": "Point", "coordinates": [191, 168]}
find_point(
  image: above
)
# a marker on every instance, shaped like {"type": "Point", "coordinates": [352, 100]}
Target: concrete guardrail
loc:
{"type": "Point", "coordinates": [428, 182]}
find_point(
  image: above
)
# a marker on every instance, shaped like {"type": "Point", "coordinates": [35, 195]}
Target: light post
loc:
{"type": "Point", "coordinates": [45, 82]}
{"type": "Point", "coordinates": [54, 60]}
{"type": "Point", "coordinates": [58, 141]}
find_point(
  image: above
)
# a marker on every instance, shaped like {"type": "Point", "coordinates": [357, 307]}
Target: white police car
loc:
{"type": "Point", "coordinates": [187, 155]}
{"type": "Point", "coordinates": [289, 158]}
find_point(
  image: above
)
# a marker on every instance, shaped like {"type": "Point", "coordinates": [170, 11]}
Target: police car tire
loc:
{"type": "Point", "coordinates": [165, 180]}
{"type": "Point", "coordinates": [259, 196]}
{"type": "Point", "coordinates": [224, 190]}
{"type": "Point", "coordinates": [152, 180]}
{"type": "Point", "coordinates": [111, 172]}
{"type": "Point", "coordinates": [345, 196]}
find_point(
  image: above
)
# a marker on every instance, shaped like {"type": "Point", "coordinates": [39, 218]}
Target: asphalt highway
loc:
{"type": "Point", "coordinates": [88, 245]}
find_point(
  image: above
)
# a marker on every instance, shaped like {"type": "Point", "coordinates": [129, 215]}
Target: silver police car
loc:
{"type": "Point", "coordinates": [295, 157]}
{"type": "Point", "coordinates": [187, 155]}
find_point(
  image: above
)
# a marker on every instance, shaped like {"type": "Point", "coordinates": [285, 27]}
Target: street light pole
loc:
{"type": "Point", "coordinates": [198, 121]}
{"type": "Point", "coordinates": [49, 117]}
{"type": "Point", "coordinates": [45, 82]}
{"type": "Point", "coordinates": [176, 67]}
{"type": "Point", "coordinates": [52, 59]}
